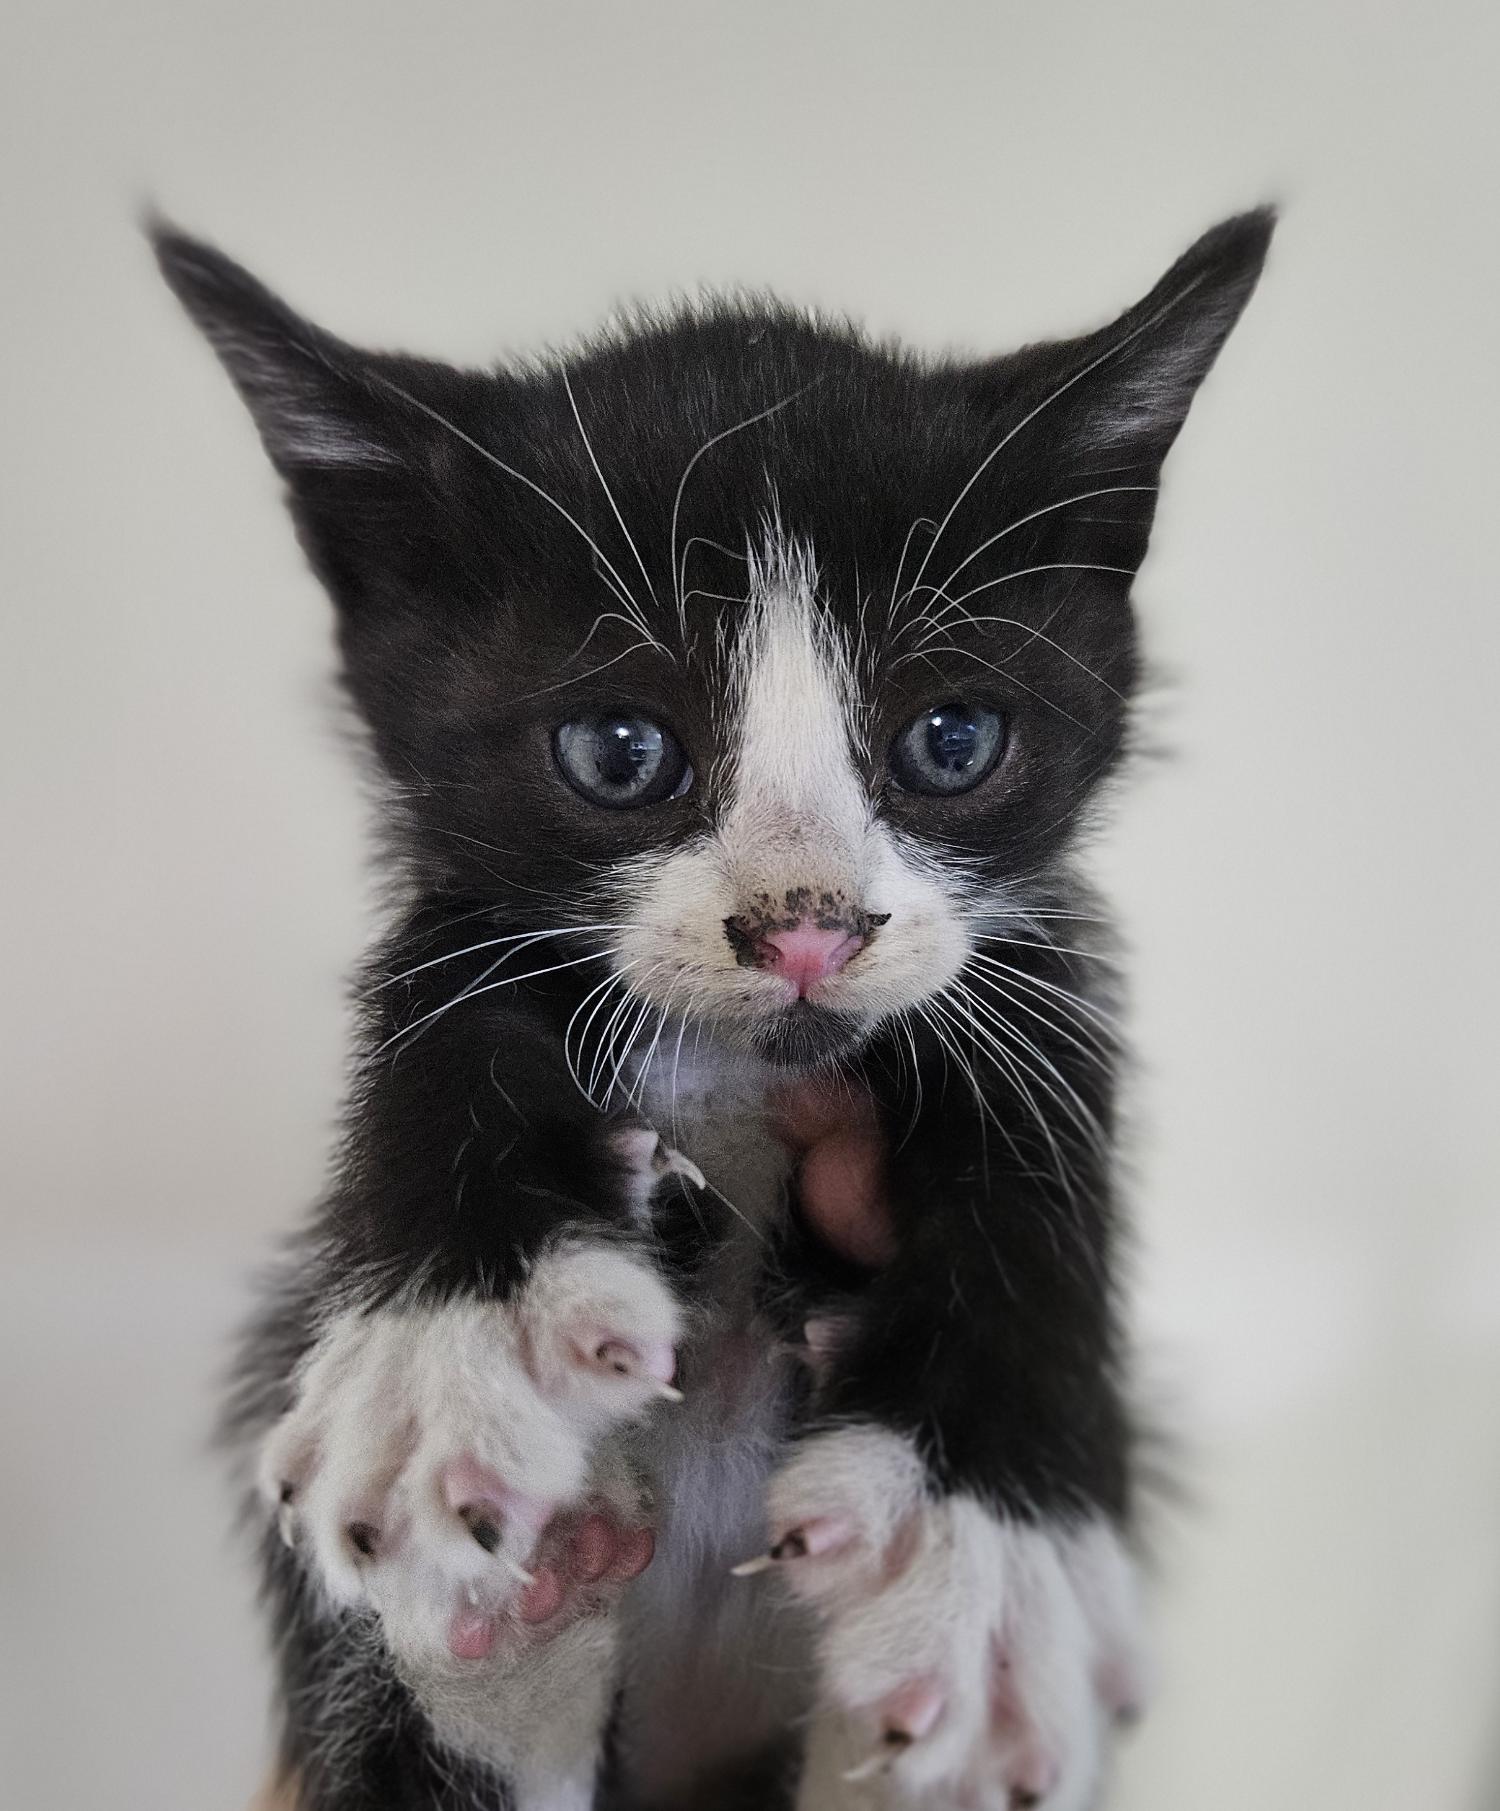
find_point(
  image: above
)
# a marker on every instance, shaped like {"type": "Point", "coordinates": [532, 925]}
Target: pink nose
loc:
{"type": "Point", "coordinates": [805, 955]}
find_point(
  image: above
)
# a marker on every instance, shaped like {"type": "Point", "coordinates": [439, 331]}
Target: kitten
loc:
{"type": "Point", "coordinates": [741, 688]}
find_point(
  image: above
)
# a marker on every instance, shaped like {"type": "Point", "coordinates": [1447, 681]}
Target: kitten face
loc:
{"type": "Point", "coordinates": [768, 659]}
{"type": "Point", "coordinates": [799, 918]}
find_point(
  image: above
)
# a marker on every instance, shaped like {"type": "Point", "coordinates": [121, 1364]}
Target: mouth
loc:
{"type": "Point", "coordinates": [806, 1036]}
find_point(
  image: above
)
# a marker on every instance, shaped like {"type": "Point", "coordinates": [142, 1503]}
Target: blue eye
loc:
{"type": "Point", "coordinates": [622, 761]}
{"type": "Point", "coordinates": [948, 749]}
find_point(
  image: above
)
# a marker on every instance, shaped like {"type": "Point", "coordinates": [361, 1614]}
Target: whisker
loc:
{"type": "Point", "coordinates": [921, 522]}
{"type": "Point", "coordinates": [472, 992]}
{"type": "Point", "coordinates": [937, 625]}
{"type": "Point", "coordinates": [1031, 943]}
{"type": "Point", "coordinates": [1089, 1043]}
{"type": "Point", "coordinates": [956, 996]}
{"type": "Point", "coordinates": [1054, 1081]}
{"type": "Point", "coordinates": [1047, 509]}
{"type": "Point", "coordinates": [687, 472]}
{"type": "Point", "coordinates": [603, 990]}
{"type": "Point", "coordinates": [1009, 678]}
{"type": "Point", "coordinates": [609, 494]}
{"type": "Point", "coordinates": [523, 937]}
{"type": "Point", "coordinates": [621, 589]}
{"type": "Point", "coordinates": [1108, 1023]}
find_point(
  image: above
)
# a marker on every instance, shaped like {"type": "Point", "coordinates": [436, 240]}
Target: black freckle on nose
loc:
{"type": "Point", "coordinates": [826, 910]}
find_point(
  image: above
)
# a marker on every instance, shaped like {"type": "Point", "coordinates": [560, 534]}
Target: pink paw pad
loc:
{"type": "Point", "coordinates": [576, 1556]}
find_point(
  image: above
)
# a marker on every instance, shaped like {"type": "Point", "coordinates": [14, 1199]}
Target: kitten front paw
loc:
{"type": "Point", "coordinates": [440, 1463]}
{"type": "Point", "coordinates": [966, 1659]}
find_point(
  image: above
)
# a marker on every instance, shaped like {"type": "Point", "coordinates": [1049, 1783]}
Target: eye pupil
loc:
{"type": "Point", "coordinates": [948, 749]}
{"type": "Point", "coordinates": [952, 739]}
{"type": "Point", "coordinates": [625, 750]}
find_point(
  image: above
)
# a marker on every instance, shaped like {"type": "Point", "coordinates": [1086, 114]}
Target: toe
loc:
{"type": "Point", "coordinates": [912, 1712]}
{"type": "Point", "coordinates": [594, 1547]}
{"type": "Point", "coordinates": [471, 1635]}
{"type": "Point", "coordinates": [633, 1554]}
{"type": "Point", "coordinates": [543, 1597]}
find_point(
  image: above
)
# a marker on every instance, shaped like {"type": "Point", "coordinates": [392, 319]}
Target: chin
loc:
{"type": "Point", "coordinates": [808, 1037]}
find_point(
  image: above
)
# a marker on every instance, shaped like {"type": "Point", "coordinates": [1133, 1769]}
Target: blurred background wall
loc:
{"type": "Point", "coordinates": [1310, 886]}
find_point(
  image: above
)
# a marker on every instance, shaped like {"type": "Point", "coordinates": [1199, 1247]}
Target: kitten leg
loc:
{"type": "Point", "coordinates": [452, 1469]}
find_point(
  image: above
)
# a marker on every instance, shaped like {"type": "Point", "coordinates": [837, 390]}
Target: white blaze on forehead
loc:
{"type": "Point", "coordinates": [798, 818]}
{"type": "Point", "coordinates": [794, 773]}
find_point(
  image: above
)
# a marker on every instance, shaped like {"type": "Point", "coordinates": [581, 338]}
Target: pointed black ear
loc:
{"type": "Point", "coordinates": [310, 394]}
{"type": "Point", "coordinates": [1152, 360]}
{"type": "Point", "coordinates": [379, 452]}
{"type": "Point", "coordinates": [1126, 389]}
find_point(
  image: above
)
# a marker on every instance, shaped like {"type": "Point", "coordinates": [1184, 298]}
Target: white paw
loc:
{"type": "Point", "coordinates": [974, 1661]}
{"type": "Point", "coordinates": [439, 1464]}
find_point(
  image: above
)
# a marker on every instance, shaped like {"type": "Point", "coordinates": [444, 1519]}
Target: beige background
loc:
{"type": "Point", "coordinates": [1310, 887]}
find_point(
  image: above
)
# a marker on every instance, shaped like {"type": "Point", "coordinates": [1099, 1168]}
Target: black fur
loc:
{"type": "Point", "coordinates": [473, 618]}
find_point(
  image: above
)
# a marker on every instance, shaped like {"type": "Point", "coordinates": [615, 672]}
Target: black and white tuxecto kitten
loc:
{"type": "Point", "coordinates": [741, 687]}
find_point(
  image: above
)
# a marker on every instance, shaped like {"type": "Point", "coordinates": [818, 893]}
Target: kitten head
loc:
{"type": "Point", "coordinates": [770, 662]}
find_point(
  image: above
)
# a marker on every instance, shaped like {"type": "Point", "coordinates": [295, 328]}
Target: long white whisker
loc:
{"type": "Point", "coordinates": [625, 1042]}
{"type": "Point", "coordinates": [521, 937]}
{"type": "Point", "coordinates": [1011, 1066]}
{"type": "Point", "coordinates": [618, 978]}
{"type": "Point", "coordinates": [635, 1095]}
{"type": "Point", "coordinates": [625, 1004]}
{"type": "Point", "coordinates": [934, 620]}
{"type": "Point", "coordinates": [1047, 509]}
{"type": "Point", "coordinates": [687, 472]}
{"type": "Point", "coordinates": [472, 992]}
{"type": "Point", "coordinates": [676, 1066]}
{"type": "Point", "coordinates": [903, 1024]}
{"type": "Point", "coordinates": [609, 494]}
{"type": "Point", "coordinates": [1009, 678]}
{"type": "Point", "coordinates": [1068, 1002]}
{"type": "Point", "coordinates": [1053, 1080]}
{"type": "Point", "coordinates": [621, 589]}
{"type": "Point", "coordinates": [1084, 1039]}
{"type": "Point", "coordinates": [1031, 943]}
{"type": "Point", "coordinates": [921, 521]}
{"type": "Point", "coordinates": [967, 620]}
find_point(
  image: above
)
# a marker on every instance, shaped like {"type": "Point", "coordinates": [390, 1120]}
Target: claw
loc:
{"type": "Point", "coordinates": [908, 1716]}
{"type": "Point", "coordinates": [819, 1534]}
{"type": "Point", "coordinates": [747, 1568]}
{"type": "Point", "coordinates": [486, 1532]}
{"type": "Point", "coordinates": [667, 1162]}
{"type": "Point", "coordinates": [893, 1744]}
{"type": "Point", "coordinates": [625, 1361]}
